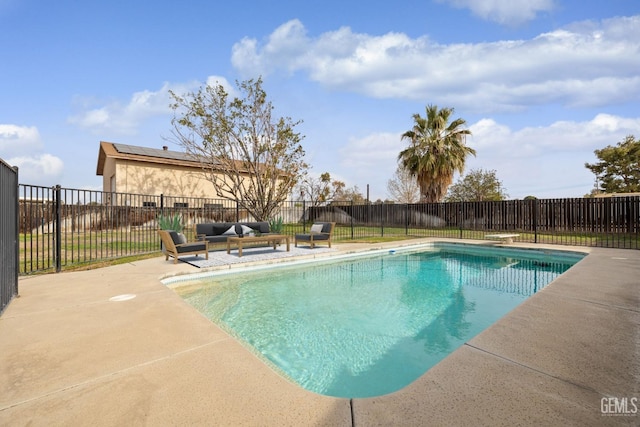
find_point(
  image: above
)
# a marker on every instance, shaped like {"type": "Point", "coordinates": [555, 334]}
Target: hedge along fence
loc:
{"type": "Point", "coordinates": [61, 227]}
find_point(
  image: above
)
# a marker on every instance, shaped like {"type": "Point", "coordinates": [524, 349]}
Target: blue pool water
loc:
{"type": "Point", "coordinates": [370, 325]}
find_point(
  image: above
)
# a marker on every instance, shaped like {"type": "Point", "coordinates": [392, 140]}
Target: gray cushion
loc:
{"type": "Point", "coordinates": [192, 247]}
{"type": "Point", "coordinates": [307, 237]}
{"type": "Point", "coordinates": [178, 238]}
{"type": "Point", "coordinates": [217, 228]}
{"type": "Point", "coordinates": [216, 239]}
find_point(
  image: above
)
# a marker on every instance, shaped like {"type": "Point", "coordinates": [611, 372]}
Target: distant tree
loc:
{"type": "Point", "coordinates": [618, 170]}
{"type": "Point", "coordinates": [530, 198]}
{"type": "Point", "coordinates": [403, 188]}
{"type": "Point", "coordinates": [319, 190]}
{"type": "Point", "coordinates": [436, 152]}
{"type": "Point", "coordinates": [247, 154]}
{"type": "Point", "coordinates": [379, 201]}
{"type": "Point", "coordinates": [352, 194]}
{"type": "Point", "coordinates": [477, 186]}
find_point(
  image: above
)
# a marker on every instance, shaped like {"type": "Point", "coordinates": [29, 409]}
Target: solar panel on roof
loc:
{"type": "Point", "coordinates": [151, 152]}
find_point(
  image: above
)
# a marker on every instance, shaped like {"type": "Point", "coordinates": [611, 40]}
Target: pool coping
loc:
{"type": "Point", "coordinates": [71, 355]}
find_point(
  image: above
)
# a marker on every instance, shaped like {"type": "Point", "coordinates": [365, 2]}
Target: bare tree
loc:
{"type": "Point", "coordinates": [403, 187]}
{"type": "Point", "coordinates": [352, 194]}
{"type": "Point", "coordinates": [247, 155]}
{"type": "Point", "coordinates": [319, 190]}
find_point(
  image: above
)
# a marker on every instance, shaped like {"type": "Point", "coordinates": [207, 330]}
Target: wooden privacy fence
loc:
{"type": "Point", "coordinates": [61, 227]}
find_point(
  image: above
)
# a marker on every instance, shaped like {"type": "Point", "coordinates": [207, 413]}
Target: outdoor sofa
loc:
{"type": "Point", "coordinates": [320, 233]}
{"type": "Point", "coordinates": [218, 232]}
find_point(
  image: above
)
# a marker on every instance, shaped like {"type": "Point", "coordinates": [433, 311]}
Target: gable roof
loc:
{"type": "Point", "coordinates": [142, 154]}
{"type": "Point", "coordinates": [162, 156]}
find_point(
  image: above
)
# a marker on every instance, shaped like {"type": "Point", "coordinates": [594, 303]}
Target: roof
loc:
{"type": "Point", "coordinates": [601, 195]}
{"type": "Point", "coordinates": [162, 156]}
{"type": "Point", "coordinates": [142, 154]}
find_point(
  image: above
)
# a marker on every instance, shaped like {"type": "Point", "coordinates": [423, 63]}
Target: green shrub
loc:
{"type": "Point", "coordinates": [170, 222]}
{"type": "Point", "coordinates": [276, 225]}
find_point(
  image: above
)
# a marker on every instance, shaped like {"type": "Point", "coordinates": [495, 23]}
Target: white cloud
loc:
{"type": "Point", "coordinates": [41, 169]}
{"type": "Point", "coordinates": [211, 81]}
{"type": "Point", "coordinates": [562, 136]}
{"type": "Point", "coordinates": [359, 154]}
{"type": "Point", "coordinates": [125, 118]}
{"type": "Point", "coordinates": [545, 161]}
{"type": "Point", "coordinates": [587, 64]}
{"type": "Point", "coordinates": [16, 139]}
{"type": "Point", "coordinates": [504, 12]}
{"type": "Point", "coordinates": [372, 160]}
{"type": "Point", "coordinates": [21, 146]}
{"type": "Point", "coordinates": [286, 45]}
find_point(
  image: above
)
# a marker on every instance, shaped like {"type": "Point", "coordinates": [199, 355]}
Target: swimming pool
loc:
{"type": "Point", "coordinates": [369, 325]}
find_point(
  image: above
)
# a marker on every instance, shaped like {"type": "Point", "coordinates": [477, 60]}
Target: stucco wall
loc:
{"type": "Point", "coordinates": [144, 178]}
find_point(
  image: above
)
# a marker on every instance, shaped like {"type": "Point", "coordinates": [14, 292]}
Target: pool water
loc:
{"type": "Point", "coordinates": [371, 325]}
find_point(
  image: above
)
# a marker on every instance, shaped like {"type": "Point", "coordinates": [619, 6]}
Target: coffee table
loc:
{"type": "Point", "coordinates": [273, 239]}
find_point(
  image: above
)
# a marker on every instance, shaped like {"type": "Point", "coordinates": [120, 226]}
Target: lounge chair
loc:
{"type": "Point", "coordinates": [320, 232]}
{"type": "Point", "coordinates": [174, 247]}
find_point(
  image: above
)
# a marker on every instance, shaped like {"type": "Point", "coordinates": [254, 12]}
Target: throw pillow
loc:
{"type": "Point", "coordinates": [316, 228]}
{"type": "Point", "coordinates": [247, 230]}
{"type": "Point", "coordinates": [231, 231]}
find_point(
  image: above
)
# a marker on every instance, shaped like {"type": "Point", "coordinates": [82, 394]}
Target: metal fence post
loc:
{"type": "Point", "coordinates": [406, 219]}
{"type": "Point", "coordinates": [535, 220]}
{"type": "Point", "coordinates": [57, 224]}
{"type": "Point", "coordinates": [17, 233]}
{"type": "Point", "coordinates": [304, 216]}
{"type": "Point", "coordinates": [352, 219]}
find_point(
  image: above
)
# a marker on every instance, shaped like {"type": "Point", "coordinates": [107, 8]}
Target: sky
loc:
{"type": "Point", "coordinates": [541, 84]}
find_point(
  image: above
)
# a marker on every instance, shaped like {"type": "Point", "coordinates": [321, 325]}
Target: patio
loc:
{"type": "Point", "coordinates": [72, 355]}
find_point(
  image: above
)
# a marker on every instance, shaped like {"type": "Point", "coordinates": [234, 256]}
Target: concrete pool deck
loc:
{"type": "Point", "coordinates": [70, 355]}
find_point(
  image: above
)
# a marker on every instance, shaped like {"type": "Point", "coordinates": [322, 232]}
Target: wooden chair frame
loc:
{"type": "Point", "coordinates": [312, 237]}
{"type": "Point", "coordinates": [190, 248]}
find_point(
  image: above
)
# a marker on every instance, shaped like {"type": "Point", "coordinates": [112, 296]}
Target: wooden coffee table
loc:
{"type": "Point", "coordinates": [273, 239]}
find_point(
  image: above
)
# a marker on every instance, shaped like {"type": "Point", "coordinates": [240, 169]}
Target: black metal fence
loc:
{"type": "Point", "coordinates": [612, 222]}
{"type": "Point", "coordinates": [61, 227]}
{"type": "Point", "coordinates": [8, 234]}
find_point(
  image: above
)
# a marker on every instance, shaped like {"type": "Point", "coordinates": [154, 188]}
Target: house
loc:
{"type": "Point", "coordinates": [147, 171]}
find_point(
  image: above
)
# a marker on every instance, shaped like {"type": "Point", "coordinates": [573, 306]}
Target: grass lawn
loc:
{"type": "Point", "coordinates": [93, 249]}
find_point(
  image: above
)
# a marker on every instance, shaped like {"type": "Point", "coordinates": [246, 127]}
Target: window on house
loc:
{"type": "Point", "coordinates": [180, 205]}
{"type": "Point", "coordinates": [149, 204]}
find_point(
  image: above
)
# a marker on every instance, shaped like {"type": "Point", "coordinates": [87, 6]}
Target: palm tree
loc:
{"type": "Point", "coordinates": [436, 152]}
